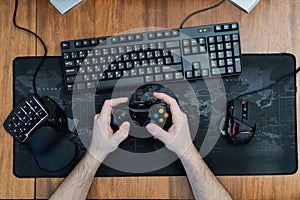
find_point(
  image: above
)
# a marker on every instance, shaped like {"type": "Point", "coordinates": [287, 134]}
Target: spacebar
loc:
{"type": "Point", "coordinates": [124, 82]}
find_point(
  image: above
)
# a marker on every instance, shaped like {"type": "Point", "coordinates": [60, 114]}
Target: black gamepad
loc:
{"type": "Point", "coordinates": [143, 108]}
{"type": "Point", "coordinates": [158, 113]}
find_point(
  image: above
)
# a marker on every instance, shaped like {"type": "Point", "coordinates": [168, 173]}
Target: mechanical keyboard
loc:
{"type": "Point", "coordinates": [192, 53]}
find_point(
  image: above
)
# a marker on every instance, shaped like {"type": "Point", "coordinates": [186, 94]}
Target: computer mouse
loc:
{"type": "Point", "coordinates": [239, 125]}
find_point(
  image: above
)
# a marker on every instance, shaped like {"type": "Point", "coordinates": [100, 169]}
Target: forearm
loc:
{"type": "Point", "coordinates": [78, 182]}
{"type": "Point", "coordinates": [203, 182]}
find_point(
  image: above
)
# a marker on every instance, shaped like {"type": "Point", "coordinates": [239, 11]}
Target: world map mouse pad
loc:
{"type": "Point", "coordinates": [271, 150]}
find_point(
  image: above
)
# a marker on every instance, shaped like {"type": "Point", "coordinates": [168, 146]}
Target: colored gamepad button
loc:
{"type": "Point", "coordinates": [161, 111]}
{"type": "Point", "coordinates": [155, 116]}
{"type": "Point", "coordinates": [161, 120]}
{"type": "Point", "coordinates": [166, 115]}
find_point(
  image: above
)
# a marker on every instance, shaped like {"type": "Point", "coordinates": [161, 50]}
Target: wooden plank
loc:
{"type": "Point", "coordinates": [53, 28]}
{"type": "Point", "coordinates": [14, 42]}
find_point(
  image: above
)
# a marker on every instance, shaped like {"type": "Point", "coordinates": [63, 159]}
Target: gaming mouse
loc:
{"type": "Point", "coordinates": [239, 125]}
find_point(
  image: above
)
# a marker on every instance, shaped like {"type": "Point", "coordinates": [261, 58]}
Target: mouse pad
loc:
{"type": "Point", "coordinates": [272, 150]}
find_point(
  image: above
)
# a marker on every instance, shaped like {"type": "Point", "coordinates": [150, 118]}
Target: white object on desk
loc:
{"type": "Point", "coordinates": [246, 5]}
{"type": "Point", "coordinates": [64, 5]}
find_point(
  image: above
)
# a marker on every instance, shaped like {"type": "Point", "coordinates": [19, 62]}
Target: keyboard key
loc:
{"type": "Point", "coordinates": [65, 45]}
{"type": "Point", "coordinates": [115, 39]}
{"type": "Point", "coordinates": [195, 49]}
{"type": "Point", "coordinates": [234, 26]}
{"type": "Point", "coordinates": [167, 33]}
{"type": "Point", "coordinates": [130, 38]}
{"type": "Point", "coordinates": [186, 43]}
{"type": "Point", "coordinates": [218, 71]}
{"type": "Point", "coordinates": [205, 73]}
{"type": "Point", "coordinates": [71, 71]}
{"type": "Point", "coordinates": [211, 39]}
{"type": "Point", "coordinates": [66, 56]}
{"type": "Point", "coordinates": [219, 38]}
{"type": "Point", "coordinates": [42, 114]}
{"type": "Point", "coordinates": [160, 34]}
{"type": "Point", "coordinates": [94, 42]}
{"type": "Point", "coordinates": [236, 49]}
{"type": "Point", "coordinates": [230, 69]}
{"type": "Point", "coordinates": [149, 70]}
{"type": "Point", "coordinates": [235, 37]}
{"type": "Point", "coordinates": [196, 65]}
{"type": "Point", "coordinates": [189, 74]}
{"type": "Point", "coordinates": [90, 85]}
{"type": "Point", "coordinates": [197, 73]}
{"type": "Point", "coordinates": [70, 63]}
{"type": "Point", "coordinates": [101, 41]}
{"type": "Point", "coordinates": [151, 36]}
{"type": "Point", "coordinates": [138, 37]}
{"type": "Point", "coordinates": [74, 55]}
{"type": "Point", "coordinates": [172, 44]}
{"type": "Point", "coordinates": [159, 77]}
{"type": "Point", "coordinates": [171, 68]}
{"type": "Point", "coordinates": [238, 67]}
{"type": "Point", "coordinates": [218, 28]}
{"type": "Point", "coordinates": [178, 75]}
{"type": "Point", "coordinates": [202, 41]}
{"type": "Point", "coordinates": [175, 33]}
{"type": "Point", "coordinates": [226, 27]}
{"type": "Point", "coordinates": [78, 44]}
{"type": "Point", "coordinates": [149, 78]}
{"type": "Point", "coordinates": [85, 43]}
{"type": "Point", "coordinates": [169, 76]}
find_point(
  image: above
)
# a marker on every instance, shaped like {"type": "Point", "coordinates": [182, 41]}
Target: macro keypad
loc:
{"type": "Point", "coordinates": [25, 118]}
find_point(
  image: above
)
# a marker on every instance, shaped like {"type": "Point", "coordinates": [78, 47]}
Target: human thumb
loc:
{"type": "Point", "coordinates": [121, 134]}
{"type": "Point", "coordinates": [157, 131]}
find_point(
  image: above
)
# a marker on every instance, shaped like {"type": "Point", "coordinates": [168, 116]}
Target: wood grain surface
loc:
{"type": "Point", "coordinates": [272, 27]}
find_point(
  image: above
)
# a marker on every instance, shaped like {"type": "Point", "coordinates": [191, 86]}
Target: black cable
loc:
{"type": "Point", "coordinates": [39, 38]}
{"type": "Point", "coordinates": [269, 86]}
{"type": "Point", "coordinates": [199, 11]}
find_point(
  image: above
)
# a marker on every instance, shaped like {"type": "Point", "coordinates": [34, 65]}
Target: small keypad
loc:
{"type": "Point", "coordinates": [23, 120]}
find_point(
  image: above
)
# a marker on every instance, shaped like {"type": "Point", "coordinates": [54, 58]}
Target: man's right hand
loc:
{"type": "Point", "coordinates": [178, 137]}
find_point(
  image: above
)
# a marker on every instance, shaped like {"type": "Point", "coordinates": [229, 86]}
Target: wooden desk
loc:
{"type": "Point", "coordinates": [273, 26]}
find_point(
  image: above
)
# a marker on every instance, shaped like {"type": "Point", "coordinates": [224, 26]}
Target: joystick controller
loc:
{"type": "Point", "coordinates": [143, 109]}
{"type": "Point", "coordinates": [158, 113]}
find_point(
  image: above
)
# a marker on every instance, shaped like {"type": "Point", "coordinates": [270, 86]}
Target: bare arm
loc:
{"type": "Point", "coordinates": [203, 182]}
{"type": "Point", "coordinates": [104, 141]}
{"type": "Point", "coordinates": [77, 184]}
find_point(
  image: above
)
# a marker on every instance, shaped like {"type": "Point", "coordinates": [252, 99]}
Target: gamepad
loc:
{"type": "Point", "coordinates": [143, 108]}
{"type": "Point", "coordinates": [158, 113]}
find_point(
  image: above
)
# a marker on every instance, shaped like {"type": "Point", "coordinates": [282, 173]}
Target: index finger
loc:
{"type": "Point", "coordinates": [175, 110]}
